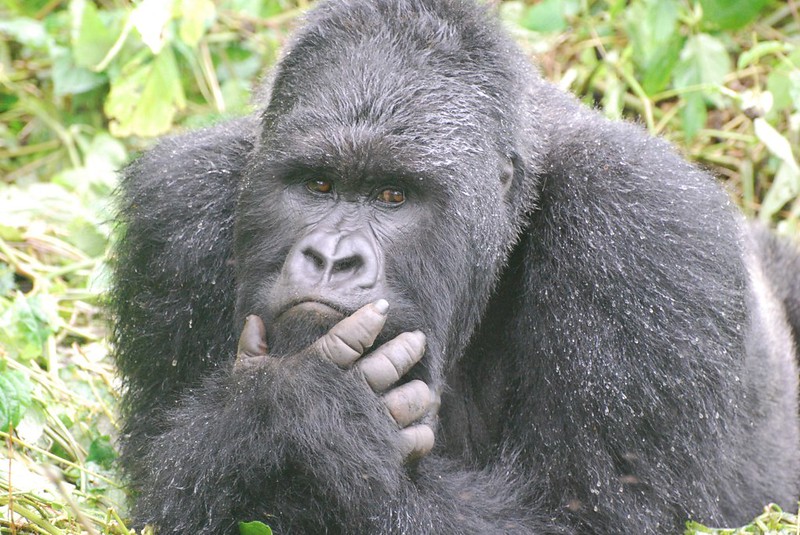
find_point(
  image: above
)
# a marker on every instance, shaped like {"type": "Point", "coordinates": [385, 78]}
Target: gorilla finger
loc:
{"type": "Point", "coordinates": [409, 402]}
{"type": "Point", "coordinates": [347, 340]}
{"type": "Point", "coordinates": [252, 347]}
{"type": "Point", "coordinates": [387, 364]}
{"type": "Point", "coordinates": [416, 441]}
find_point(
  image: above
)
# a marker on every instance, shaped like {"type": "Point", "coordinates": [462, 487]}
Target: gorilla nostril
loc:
{"type": "Point", "coordinates": [315, 258]}
{"type": "Point", "coordinates": [351, 263]}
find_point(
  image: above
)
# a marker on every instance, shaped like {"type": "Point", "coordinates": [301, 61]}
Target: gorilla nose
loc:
{"type": "Point", "coordinates": [322, 263]}
{"type": "Point", "coordinates": [336, 259]}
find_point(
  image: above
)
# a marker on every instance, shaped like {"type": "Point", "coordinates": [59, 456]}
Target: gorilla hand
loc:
{"type": "Point", "coordinates": [344, 345]}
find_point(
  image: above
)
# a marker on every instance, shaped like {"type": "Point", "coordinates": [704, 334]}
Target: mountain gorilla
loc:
{"type": "Point", "coordinates": [464, 303]}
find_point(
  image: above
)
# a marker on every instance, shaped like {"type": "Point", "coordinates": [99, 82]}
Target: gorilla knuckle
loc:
{"type": "Point", "coordinates": [410, 351]}
{"type": "Point", "coordinates": [378, 371]}
{"type": "Point", "coordinates": [336, 349]}
{"type": "Point", "coordinates": [417, 441]}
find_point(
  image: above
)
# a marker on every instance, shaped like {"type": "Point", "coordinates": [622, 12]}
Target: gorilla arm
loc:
{"type": "Point", "coordinates": [306, 443]}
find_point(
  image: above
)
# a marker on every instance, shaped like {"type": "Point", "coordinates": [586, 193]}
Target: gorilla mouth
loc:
{"type": "Point", "coordinates": [313, 306]}
{"type": "Point", "coordinates": [300, 322]}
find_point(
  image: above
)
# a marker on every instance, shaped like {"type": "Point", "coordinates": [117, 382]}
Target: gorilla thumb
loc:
{"type": "Point", "coordinates": [252, 342]}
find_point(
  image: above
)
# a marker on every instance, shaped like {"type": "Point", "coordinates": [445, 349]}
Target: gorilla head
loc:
{"type": "Point", "coordinates": [406, 182]}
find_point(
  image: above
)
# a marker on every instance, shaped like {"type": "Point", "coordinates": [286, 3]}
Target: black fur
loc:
{"type": "Point", "coordinates": [612, 357]}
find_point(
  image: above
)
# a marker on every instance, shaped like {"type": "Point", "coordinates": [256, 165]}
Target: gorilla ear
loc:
{"type": "Point", "coordinates": [510, 171]}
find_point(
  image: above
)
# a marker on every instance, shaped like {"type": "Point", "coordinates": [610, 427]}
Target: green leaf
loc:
{"type": "Point", "coordinates": [658, 70]}
{"type": "Point", "coordinates": [150, 18]}
{"type": "Point", "coordinates": [236, 94]}
{"type": "Point", "coordinates": [102, 452]}
{"type": "Point", "coordinates": [24, 7]}
{"type": "Point", "coordinates": [254, 528]}
{"type": "Point", "coordinates": [731, 14]}
{"type": "Point", "coordinates": [7, 101]}
{"type": "Point", "coordinates": [546, 16]}
{"type": "Point", "coordinates": [271, 8]}
{"type": "Point", "coordinates": [85, 235]}
{"type": "Point", "coordinates": [784, 188]}
{"type": "Point", "coordinates": [91, 36]}
{"type": "Point", "coordinates": [694, 115]}
{"type": "Point", "coordinates": [70, 79]}
{"type": "Point", "coordinates": [103, 155]}
{"type": "Point", "coordinates": [650, 24]}
{"type": "Point", "coordinates": [655, 41]}
{"type": "Point", "coordinates": [28, 32]}
{"type": "Point", "coordinates": [144, 100]}
{"type": "Point", "coordinates": [15, 397]}
{"type": "Point", "coordinates": [703, 65]}
{"type": "Point", "coordinates": [26, 325]}
{"type": "Point", "coordinates": [784, 84]}
{"type": "Point", "coordinates": [249, 8]}
{"type": "Point", "coordinates": [703, 61]}
{"type": "Point", "coordinates": [616, 7]}
{"type": "Point", "coordinates": [196, 17]}
{"type": "Point", "coordinates": [775, 142]}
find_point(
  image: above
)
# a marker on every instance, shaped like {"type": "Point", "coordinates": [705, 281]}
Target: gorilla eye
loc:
{"type": "Point", "coordinates": [319, 186]}
{"type": "Point", "coordinates": [391, 196]}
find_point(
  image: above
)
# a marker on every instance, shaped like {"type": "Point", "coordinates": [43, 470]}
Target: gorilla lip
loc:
{"type": "Point", "coordinates": [314, 305]}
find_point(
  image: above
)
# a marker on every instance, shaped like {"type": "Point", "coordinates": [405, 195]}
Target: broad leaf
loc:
{"type": "Point", "coordinates": [91, 37]}
{"type": "Point", "coordinates": [547, 16]}
{"type": "Point", "coordinates": [28, 32]}
{"type": "Point", "coordinates": [784, 84]}
{"type": "Point", "coordinates": [70, 79]}
{"type": "Point", "coordinates": [784, 188]}
{"type": "Point", "coordinates": [102, 452]}
{"type": "Point", "coordinates": [15, 397]}
{"type": "Point", "coordinates": [26, 325]}
{"type": "Point", "coordinates": [650, 24]}
{"type": "Point", "coordinates": [254, 528]}
{"type": "Point", "coordinates": [197, 17]}
{"type": "Point", "coordinates": [703, 61]}
{"type": "Point", "coordinates": [731, 14]}
{"type": "Point", "coordinates": [694, 114]}
{"type": "Point", "coordinates": [150, 18]}
{"type": "Point", "coordinates": [144, 100]}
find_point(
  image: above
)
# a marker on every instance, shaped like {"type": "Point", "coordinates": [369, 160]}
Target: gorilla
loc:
{"type": "Point", "coordinates": [421, 290]}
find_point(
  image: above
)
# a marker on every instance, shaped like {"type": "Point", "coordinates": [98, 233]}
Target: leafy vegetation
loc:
{"type": "Point", "coordinates": [84, 85]}
{"type": "Point", "coordinates": [254, 528]}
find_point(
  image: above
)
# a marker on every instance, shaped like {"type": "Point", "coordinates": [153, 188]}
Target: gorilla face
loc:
{"type": "Point", "coordinates": [400, 185]}
{"type": "Point", "coordinates": [332, 217]}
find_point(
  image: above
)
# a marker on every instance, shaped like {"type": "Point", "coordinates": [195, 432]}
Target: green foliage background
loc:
{"type": "Point", "coordinates": [85, 85]}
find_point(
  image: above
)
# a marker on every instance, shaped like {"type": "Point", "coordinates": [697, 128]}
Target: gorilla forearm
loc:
{"type": "Point", "coordinates": [448, 497]}
{"type": "Point", "coordinates": [278, 434]}
{"type": "Point", "coordinates": [302, 434]}
{"type": "Point", "coordinates": [317, 427]}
